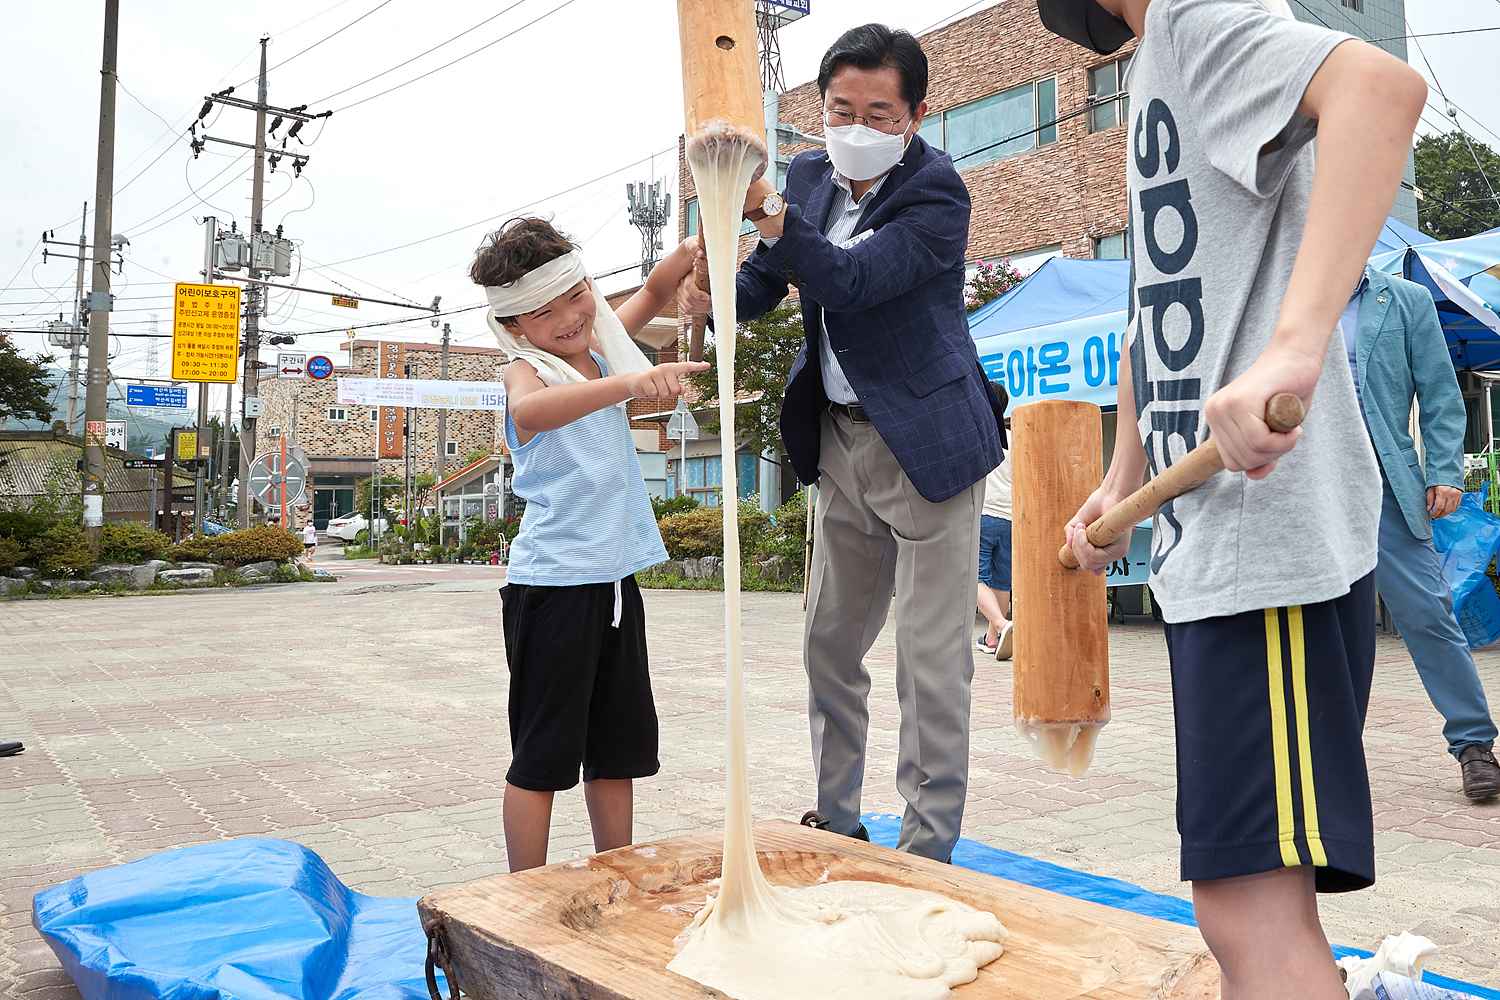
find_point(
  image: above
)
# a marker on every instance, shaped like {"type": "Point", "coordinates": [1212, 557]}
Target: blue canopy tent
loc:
{"type": "Point", "coordinates": [1464, 279]}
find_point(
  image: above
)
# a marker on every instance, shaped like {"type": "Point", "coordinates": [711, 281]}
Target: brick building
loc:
{"type": "Point", "coordinates": [340, 441]}
{"type": "Point", "coordinates": [1036, 127]}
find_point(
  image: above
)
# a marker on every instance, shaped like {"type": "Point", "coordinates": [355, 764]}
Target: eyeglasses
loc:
{"type": "Point", "coordinates": [838, 118]}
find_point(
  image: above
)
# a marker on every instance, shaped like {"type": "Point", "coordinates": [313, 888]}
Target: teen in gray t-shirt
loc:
{"type": "Point", "coordinates": [1220, 169]}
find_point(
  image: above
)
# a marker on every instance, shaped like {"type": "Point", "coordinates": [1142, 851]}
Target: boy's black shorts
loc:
{"type": "Point", "coordinates": [580, 688]}
{"type": "Point", "coordinates": [1270, 712]}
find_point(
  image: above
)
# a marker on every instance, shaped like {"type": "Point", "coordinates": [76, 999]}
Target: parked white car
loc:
{"type": "Point", "coordinates": [347, 527]}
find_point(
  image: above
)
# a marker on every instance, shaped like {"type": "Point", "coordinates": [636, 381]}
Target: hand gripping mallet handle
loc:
{"type": "Point", "coordinates": [1284, 413]}
{"type": "Point", "coordinates": [700, 323]}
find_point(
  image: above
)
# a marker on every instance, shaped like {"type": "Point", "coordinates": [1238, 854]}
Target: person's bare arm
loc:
{"type": "Point", "coordinates": [536, 406]}
{"type": "Point", "coordinates": [660, 287]}
{"type": "Point", "coordinates": [1366, 103]}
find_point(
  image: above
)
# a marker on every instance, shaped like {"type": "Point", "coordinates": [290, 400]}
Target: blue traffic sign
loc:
{"type": "Point", "coordinates": [319, 367]}
{"type": "Point", "coordinates": [168, 396]}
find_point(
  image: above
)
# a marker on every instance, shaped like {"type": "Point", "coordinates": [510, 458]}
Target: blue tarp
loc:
{"type": "Point", "coordinates": [1467, 542]}
{"type": "Point", "coordinates": [247, 919]}
{"type": "Point", "coordinates": [884, 830]}
{"type": "Point", "coordinates": [261, 919]}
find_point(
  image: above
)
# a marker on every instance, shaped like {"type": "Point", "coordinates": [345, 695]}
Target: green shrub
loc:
{"type": "Point", "coordinates": [787, 537]}
{"type": "Point", "coordinates": [680, 504]}
{"type": "Point", "coordinates": [25, 525]}
{"type": "Point", "coordinates": [62, 549]}
{"type": "Point", "coordinates": [362, 536]}
{"type": "Point", "coordinates": [12, 553]}
{"type": "Point", "coordinates": [700, 532]}
{"type": "Point", "coordinates": [129, 542]}
{"type": "Point", "coordinates": [195, 548]}
{"type": "Point", "coordinates": [240, 548]}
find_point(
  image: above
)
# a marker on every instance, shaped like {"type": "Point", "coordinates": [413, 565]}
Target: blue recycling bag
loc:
{"type": "Point", "coordinates": [246, 919]}
{"type": "Point", "coordinates": [1467, 541]}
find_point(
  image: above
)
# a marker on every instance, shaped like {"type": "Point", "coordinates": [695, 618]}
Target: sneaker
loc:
{"type": "Point", "coordinates": [985, 647]}
{"type": "Point", "coordinates": [1481, 772]}
{"type": "Point", "coordinates": [1006, 645]}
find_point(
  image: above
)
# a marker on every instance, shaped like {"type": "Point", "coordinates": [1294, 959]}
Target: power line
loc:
{"type": "Point", "coordinates": [507, 212]}
{"type": "Point", "coordinates": [446, 41]}
{"type": "Point", "coordinates": [1433, 34]}
{"type": "Point", "coordinates": [333, 34]}
{"type": "Point", "coordinates": [1454, 115]}
{"type": "Point", "coordinates": [453, 62]}
{"type": "Point", "coordinates": [954, 15]}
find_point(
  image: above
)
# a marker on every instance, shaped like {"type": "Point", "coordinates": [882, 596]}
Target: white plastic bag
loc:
{"type": "Point", "coordinates": [1394, 973]}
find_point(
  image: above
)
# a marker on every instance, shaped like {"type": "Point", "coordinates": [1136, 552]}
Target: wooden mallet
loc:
{"type": "Point", "coordinates": [720, 87]}
{"type": "Point", "coordinates": [1061, 664]}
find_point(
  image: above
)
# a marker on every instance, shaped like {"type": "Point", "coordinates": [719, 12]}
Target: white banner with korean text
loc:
{"type": "Point", "coordinates": [421, 393]}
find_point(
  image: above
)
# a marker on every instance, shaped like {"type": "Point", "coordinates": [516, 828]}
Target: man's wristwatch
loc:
{"type": "Point", "coordinates": [773, 205]}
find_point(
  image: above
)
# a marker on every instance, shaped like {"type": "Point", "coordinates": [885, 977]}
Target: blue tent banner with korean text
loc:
{"type": "Point", "coordinates": [1078, 360]}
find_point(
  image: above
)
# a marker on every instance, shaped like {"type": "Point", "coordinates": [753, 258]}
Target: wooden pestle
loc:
{"type": "Point", "coordinates": [1284, 413]}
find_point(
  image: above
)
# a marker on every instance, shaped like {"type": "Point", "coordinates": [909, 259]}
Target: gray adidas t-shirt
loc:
{"type": "Point", "coordinates": [1220, 172]}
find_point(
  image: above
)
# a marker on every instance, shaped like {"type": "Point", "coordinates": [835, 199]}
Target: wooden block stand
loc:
{"type": "Point", "coordinates": [603, 927]}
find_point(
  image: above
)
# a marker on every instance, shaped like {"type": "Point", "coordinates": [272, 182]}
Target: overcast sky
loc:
{"type": "Point", "coordinates": [590, 89]}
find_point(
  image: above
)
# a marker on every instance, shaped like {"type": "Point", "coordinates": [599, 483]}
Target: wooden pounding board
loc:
{"type": "Point", "coordinates": [603, 927]}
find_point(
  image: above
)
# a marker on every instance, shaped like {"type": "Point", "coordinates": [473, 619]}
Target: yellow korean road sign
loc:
{"type": "Point", "coordinates": [205, 332]}
{"type": "Point", "coordinates": [347, 301]}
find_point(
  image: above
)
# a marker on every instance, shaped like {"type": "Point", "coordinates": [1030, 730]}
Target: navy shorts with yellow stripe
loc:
{"type": "Point", "coordinates": [1270, 713]}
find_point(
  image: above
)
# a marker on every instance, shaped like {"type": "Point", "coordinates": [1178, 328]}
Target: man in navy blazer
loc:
{"type": "Point", "coordinates": [886, 410]}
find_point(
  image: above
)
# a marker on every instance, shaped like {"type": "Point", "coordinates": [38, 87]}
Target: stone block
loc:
{"type": "Point", "coordinates": [131, 576]}
{"type": "Point", "coordinates": [197, 565]}
{"type": "Point", "coordinates": [23, 573]}
{"type": "Point", "coordinates": [11, 585]}
{"type": "Point", "coordinates": [194, 576]}
{"type": "Point", "coordinates": [64, 586]}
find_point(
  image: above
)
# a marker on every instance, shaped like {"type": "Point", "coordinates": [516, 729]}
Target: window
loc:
{"type": "Point", "coordinates": [991, 128]}
{"type": "Point", "coordinates": [374, 416]}
{"type": "Point", "coordinates": [1111, 247]}
{"type": "Point", "coordinates": [705, 481]}
{"type": "Point", "coordinates": [337, 414]}
{"type": "Point", "coordinates": [1355, 5]}
{"type": "Point", "coordinates": [1110, 103]}
{"type": "Point", "coordinates": [690, 213]}
{"type": "Point", "coordinates": [450, 448]}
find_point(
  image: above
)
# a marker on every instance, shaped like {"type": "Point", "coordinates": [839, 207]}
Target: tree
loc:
{"type": "Point", "coordinates": [764, 352]}
{"type": "Point", "coordinates": [25, 387]}
{"type": "Point", "coordinates": [990, 281]}
{"type": "Point", "coordinates": [1456, 200]}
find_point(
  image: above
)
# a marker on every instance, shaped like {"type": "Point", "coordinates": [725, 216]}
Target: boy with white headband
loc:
{"type": "Point", "coordinates": [1245, 249]}
{"type": "Point", "coordinates": [575, 630]}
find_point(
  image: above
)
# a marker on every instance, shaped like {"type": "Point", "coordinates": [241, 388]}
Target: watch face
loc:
{"type": "Point", "coordinates": [773, 204]}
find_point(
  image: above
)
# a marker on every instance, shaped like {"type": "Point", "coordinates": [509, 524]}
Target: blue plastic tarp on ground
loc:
{"type": "Point", "coordinates": [885, 829]}
{"type": "Point", "coordinates": [248, 919]}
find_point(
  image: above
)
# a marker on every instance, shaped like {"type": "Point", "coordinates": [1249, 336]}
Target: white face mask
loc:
{"type": "Point", "coordinates": [861, 153]}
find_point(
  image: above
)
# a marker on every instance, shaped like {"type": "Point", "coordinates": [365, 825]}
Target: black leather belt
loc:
{"type": "Point", "coordinates": [853, 411]}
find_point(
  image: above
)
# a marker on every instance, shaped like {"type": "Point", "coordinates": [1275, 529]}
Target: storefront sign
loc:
{"type": "Point", "coordinates": [392, 418]}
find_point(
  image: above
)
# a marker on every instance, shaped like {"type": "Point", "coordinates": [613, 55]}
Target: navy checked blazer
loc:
{"type": "Point", "coordinates": [896, 319]}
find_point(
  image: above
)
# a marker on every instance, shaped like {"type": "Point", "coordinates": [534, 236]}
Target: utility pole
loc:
{"type": "Point", "coordinates": [442, 431]}
{"type": "Point", "coordinates": [252, 313]}
{"type": "Point", "coordinates": [200, 484]}
{"type": "Point", "coordinates": [224, 477]}
{"type": "Point", "coordinates": [96, 405]}
{"type": "Point", "coordinates": [406, 483]}
{"type": "Point", "coordinates": [77, 321]}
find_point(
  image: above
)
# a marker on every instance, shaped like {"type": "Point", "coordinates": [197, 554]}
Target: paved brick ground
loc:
{"type": "Point", "coordinates": [366, 720]}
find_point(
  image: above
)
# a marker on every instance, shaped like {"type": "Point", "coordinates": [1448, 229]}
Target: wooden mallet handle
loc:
{"type": "Point", "coordinates": [700, 323]}
{"type": "Point", "coordinates": [1284, 413]}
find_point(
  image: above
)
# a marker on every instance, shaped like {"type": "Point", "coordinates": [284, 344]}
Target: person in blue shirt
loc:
{"type": "Point", "coordinates": [1397, 352]}
{"type": "Point", "coordinates": [573, 620]}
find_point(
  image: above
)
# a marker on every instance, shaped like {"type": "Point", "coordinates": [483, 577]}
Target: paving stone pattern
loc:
{"type": "Point", "coordinates": [366, 719]}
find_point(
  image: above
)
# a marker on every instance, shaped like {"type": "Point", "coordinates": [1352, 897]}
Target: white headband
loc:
{"type": "Point", "coordinates": [535, 289]}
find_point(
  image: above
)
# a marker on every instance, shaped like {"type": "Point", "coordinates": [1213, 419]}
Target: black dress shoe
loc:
{"type": "Point", "coordinates": [818, 821]}
{"type": "Point", "coordinates": [10, 749]}
{"type": "Point", "coordinates": [1481, 772]}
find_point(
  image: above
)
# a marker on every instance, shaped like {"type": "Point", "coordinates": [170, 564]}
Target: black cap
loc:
{"type": "Point", "coordinates": [1085, 23]}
